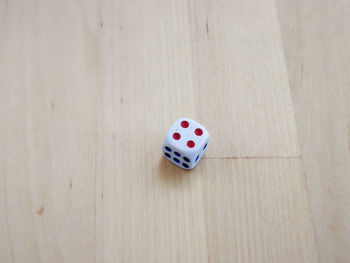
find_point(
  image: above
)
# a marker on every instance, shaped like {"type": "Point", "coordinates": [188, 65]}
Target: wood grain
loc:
{"type": "Point", "coordinates": [253, 215]}
{"type": "Point", "coordinates": [241, 76]}
{"type": "Point", "coordinates": [316, 38]}
{"type": "Point", "coordinates": [47, 131]}
{"type": "Point", "coordinates": [87, 92]}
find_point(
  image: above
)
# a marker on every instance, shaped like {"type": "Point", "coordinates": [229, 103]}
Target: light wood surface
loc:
{"type": "Point", "coordinates": [88, 90]}
{"type": "Point", "coordinates": [317, 47]}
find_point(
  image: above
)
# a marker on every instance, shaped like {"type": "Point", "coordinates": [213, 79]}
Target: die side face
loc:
{"type": "Point", "coordinates": [185, 143]}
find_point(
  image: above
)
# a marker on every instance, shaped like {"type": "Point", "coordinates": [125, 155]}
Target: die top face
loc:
{"type": "Point", "coordinates": [187, 138]}
{"type": "Point", "coordinates": [187, 135]}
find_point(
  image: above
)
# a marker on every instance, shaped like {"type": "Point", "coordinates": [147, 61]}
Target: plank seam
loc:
{"type": "Point", "coordinates": [253, 157]}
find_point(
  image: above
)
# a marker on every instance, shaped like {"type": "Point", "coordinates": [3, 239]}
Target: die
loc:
{"type": "Point", "coordinates": [185, 143]}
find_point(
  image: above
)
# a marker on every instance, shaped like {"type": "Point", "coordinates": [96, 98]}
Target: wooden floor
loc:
{"type": "Point", "coordinates": [88, 90]}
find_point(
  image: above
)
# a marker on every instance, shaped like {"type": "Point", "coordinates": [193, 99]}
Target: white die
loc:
{"type": "Point", "coordinates": [185, 143]}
